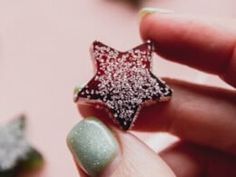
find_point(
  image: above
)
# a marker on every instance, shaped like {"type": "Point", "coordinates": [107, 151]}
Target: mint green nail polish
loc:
{"type": "Point", "coordinates": [149, 10]}
{"type": "Point", "coordinates": [93, 145]}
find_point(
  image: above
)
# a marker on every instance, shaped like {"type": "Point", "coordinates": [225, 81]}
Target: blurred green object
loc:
{"type": "Point", "coordinates": [16, 154]}
{"type": "Point", "coordinates": [134, 3]}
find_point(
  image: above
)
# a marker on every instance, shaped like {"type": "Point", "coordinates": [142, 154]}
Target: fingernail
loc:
{"type": "Point", "coordinates": [93, 146]}
{"type": "Point", "coordinates": [76, 91]}
{"type": "Point", "coordinates": [149, 10]}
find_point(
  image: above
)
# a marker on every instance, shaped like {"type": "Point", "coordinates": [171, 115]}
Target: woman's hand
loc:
{"type": "Point", "coordinates": [203, 117]}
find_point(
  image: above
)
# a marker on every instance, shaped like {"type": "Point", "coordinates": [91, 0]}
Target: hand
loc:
{"type": "Point", "coordinates": [203, 117]}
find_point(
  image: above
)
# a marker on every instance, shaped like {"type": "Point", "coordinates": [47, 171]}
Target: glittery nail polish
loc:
{"type": "Point", "coordinates": [93, 146]}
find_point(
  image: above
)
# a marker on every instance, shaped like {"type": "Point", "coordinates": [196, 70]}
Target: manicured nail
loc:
{"type": "Point", "coordinates": [76, 92]}
{"type": "Point", "coordinates": [149, 10]}
{"type": "Point", "coordinates": [93, 146]}
{"type": "Point", "coordinates": [77, 89]}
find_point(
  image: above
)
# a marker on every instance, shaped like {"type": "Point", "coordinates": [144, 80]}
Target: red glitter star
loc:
{"type": "Point", "coordinates": [123, 82]}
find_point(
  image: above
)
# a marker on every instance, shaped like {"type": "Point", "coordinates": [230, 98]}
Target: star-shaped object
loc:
{"type": "Point", "coordinates": [16, 154]}
{"type": "Point", "coordinates": [123, 82]}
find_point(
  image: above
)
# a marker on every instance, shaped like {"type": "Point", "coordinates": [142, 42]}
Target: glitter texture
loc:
{"type": "Point", "coordinates": [123, 82]}
{"type": "Point", "coordinates": [13, 145]}
{"type": "Point", "coordinates": [93, 145]}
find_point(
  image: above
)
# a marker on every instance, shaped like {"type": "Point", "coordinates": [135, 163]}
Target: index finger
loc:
{"type": "Point", "coordinates": [198, 44]}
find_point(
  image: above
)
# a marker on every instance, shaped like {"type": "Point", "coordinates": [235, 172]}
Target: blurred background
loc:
{"type": "Point", "coordinates": [44, 54]}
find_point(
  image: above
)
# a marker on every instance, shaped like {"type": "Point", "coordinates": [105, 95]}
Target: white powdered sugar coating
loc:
{"type": "Point", "coordinates": [124, 81]}
{"type": "Point", "coordinates": [13, 145]}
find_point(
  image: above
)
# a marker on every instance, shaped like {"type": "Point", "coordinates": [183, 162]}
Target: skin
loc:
{"type": "Point", "coordinates": [203, 117]}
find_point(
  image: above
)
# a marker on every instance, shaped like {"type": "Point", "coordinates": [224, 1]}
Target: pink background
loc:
{"type": "Point", "coordinates": [44, 53]}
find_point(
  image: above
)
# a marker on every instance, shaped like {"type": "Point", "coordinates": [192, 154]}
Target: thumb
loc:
{"type": "Point", "coordinates": [101, 151]}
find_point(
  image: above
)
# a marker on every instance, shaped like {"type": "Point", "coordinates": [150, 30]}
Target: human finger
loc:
{"type": "Point", "coordinates": [200, 114]}
{"type": "Point", "coordinates": [190, 160]}
{"type": "Point", "coordinates": [194, 42]}
{"type": "Point", "coordinates": [100, 151]}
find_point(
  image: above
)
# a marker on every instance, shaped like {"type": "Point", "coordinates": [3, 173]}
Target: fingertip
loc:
{"type": "Point", "coordinates": [146, 14]}
{"type": "Point", "coordinates": [94, 147]}
{"type": "Point", "coordinates": [127, 162]}
{"type": "Point", "coordinates": [198, 42]}
{"type": "Point", "coordinates": [148, 24]}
